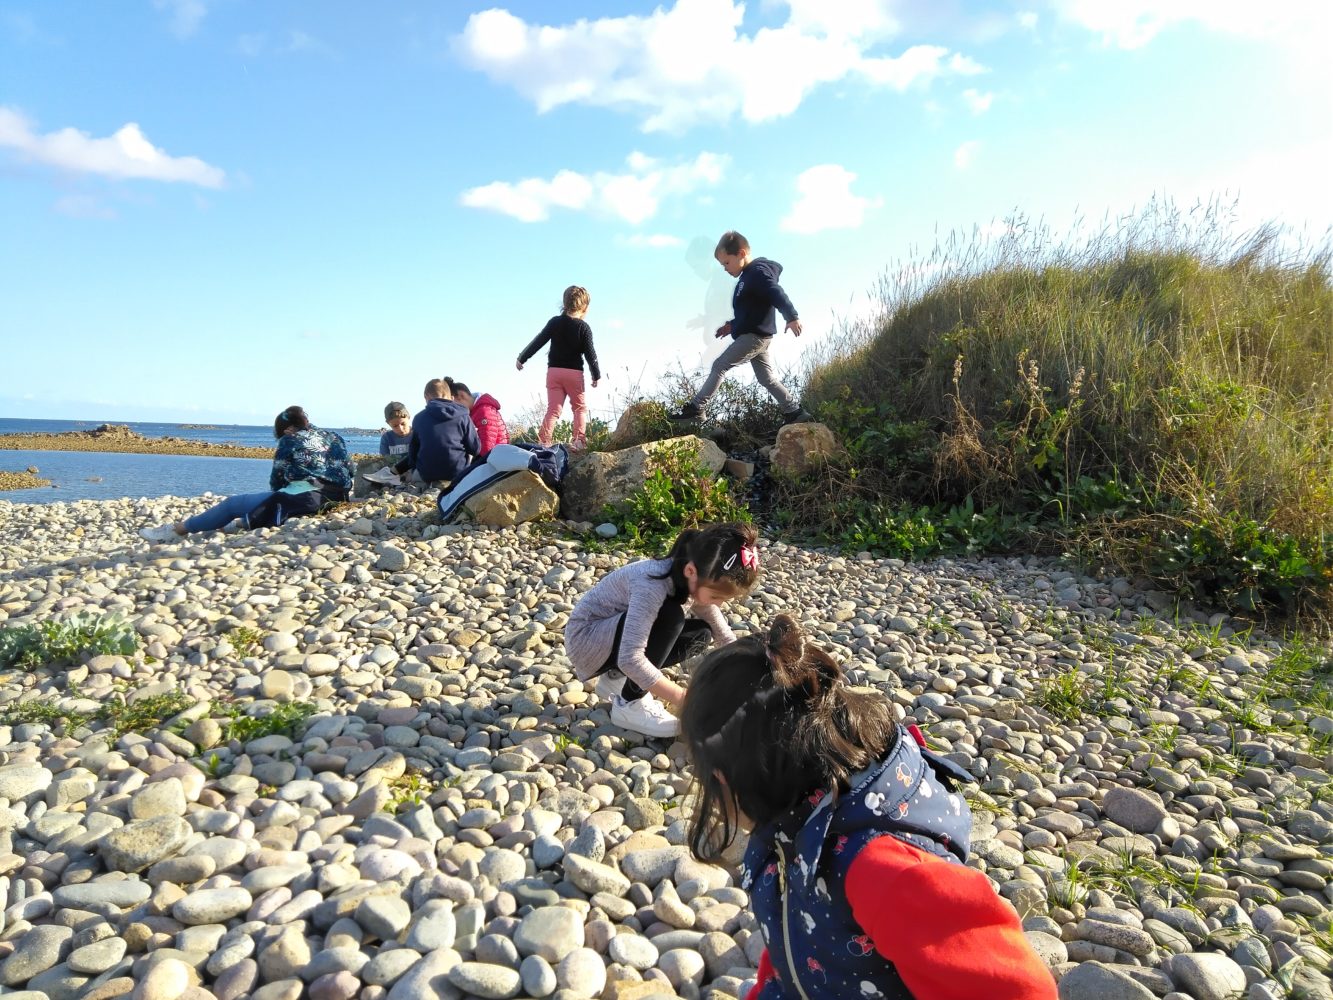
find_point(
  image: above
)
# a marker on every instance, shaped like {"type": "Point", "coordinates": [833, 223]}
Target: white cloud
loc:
{"type": "Point", "coordinates": [977, 102]}
{"type": "Point", "coordinates": [1027, 19]}
{"type": "Point", "coordinates": [254, 45]}
{"type": "Point", "coordinates": [655, 241]}
{"type": "Point", "coordinates": [83, 206]}
{"type": "Point", "coordinates": [690, 62]}
{"type": "Point", "coordinates": [126, 153]}
{"type": "Point", "coordinates": [1133, 23]}
{"type": "Point", "coordinates": [633, 196]}
{"type": "Point", "coordinates": [966, 153]}
{"type": "Point", "coordinates": [824, 200]}
{"type": "Point", "coordinates": [186, 15]}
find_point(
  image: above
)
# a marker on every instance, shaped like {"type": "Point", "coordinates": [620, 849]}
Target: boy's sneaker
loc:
{"type": "Point", "coordinates": [384, 477]}
{"type": "Point", "coordinates": [800, 416]}
{"type": "Point", "coordinates": [610, 684]}
{"type": "Point", "coordinates": [644, 715]}
{"type": "Point", "coordinates": [687, 412]}
{"type": "Point", "coordinates": [160, 533]}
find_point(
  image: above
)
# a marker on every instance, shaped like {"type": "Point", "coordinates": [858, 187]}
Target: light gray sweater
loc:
{"type": "Point", "coordinates": [633, 592]}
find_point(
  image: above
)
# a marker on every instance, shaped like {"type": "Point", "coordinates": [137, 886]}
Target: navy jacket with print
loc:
{"type": "Point", "coordinates": [796, 871]}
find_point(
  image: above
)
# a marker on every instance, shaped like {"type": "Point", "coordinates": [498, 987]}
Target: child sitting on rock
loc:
{"type": "Point", "coordinates": [855, 864]}
{"type": "Point", "coordinates": [633, 623]}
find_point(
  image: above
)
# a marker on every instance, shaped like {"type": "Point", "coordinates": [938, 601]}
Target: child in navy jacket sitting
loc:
{"type": "Point", "coordinates": [855, 865]}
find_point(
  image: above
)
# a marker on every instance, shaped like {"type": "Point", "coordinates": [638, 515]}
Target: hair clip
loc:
{"type": "Point", "coordinates": [730, 562]}
{"type": "Point", "coordinates": [749, 557]}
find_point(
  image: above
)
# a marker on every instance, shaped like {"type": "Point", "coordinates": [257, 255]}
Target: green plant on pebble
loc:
{"type": "Point", "coordinates": [66, 641]}
{"type": "Point", "coordinates": [120, 716]}
{"type": "Point", "coordinates": [408, 789]}
{"type": "Point", "coordinates": [679, 492]}
{"type": "Point", "coordinates": [245, 640]}
{"type": "Point", "coordinates": [285, 719]}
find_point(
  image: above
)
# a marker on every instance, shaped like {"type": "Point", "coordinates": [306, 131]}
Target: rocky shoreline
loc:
{"type": "Point", "coordinates": [445, 811]}
{"type": "Point", "coordinates": [27, 480]}
{"type": "Point", "coordinates": [119, 438]}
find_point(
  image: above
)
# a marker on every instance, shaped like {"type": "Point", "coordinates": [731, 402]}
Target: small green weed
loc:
{"type": "Point", "coordinates": [245, 640]}
{"type": "Point", "coordinates": [1065, 696]}
{"type": "Point", "coordinates": [679, 492]}
{"type": "Point", "coordinates": [408, 789]}
{"type": "Point", "coordinates": [66, 641]}
{"type": "Point", "coordinates": [121, 717]}
{"type": "Point", "coordinates": [286, 719]}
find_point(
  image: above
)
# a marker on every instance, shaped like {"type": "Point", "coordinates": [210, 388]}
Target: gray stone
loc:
{"type": "Point", "coordinates": [212, 906]}
{"type": "Point", "coordinates": [38, 950]}
{"type": "Point", "coordinates": [1094, 981]}
{"type": "Point", "coordinates": [89, 895]}
{"type": "Point", "coordinates": [551, 932]}
{"type": "Point", "coordinates": [490, 982]}
{"type": "Point", "coordinates": [383, 916]}
{"type": "Point", "coordinates": [1206, 975]}
{"type": "Point", "coordinates": [1136, 809]}
{"type": "Point", "coordinates": [135, 846]}
{"type": "Point", "coordinates": [537, 976]}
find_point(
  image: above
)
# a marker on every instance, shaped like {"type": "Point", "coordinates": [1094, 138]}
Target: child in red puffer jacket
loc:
{"type": "Point", "coordinates": [485, 412]}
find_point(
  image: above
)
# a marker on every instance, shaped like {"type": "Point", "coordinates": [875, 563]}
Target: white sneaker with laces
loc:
{"type": "Point", "coordinates": [160, 533]}
{"type": "Point", "coordinates": [644, 715]}
{"type": "Point", "coordinates": [610, 684]}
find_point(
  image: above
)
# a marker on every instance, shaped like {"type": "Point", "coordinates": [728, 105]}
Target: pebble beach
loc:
{"type": "Point", "coordinates": [451, 813]}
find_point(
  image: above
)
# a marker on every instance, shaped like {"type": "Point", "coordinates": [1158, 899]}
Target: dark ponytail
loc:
{"type": "Point", "coordinates": [768, 720]}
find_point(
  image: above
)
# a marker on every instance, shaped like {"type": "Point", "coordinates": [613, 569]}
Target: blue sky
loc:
{"type": "Point", "coordinates": [210, 209]}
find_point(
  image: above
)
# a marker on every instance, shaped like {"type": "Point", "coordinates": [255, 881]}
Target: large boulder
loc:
{"type": "Point", "coordinates": [608, 477]}
{"type": "Point", "coordinates": [804, 448]}
{"type": "Point", "coordinates": [514, 500]}
{"type": "Point", "coordinates": [364, 466]}
{"type": "Point", "coordinates": [641, 421]}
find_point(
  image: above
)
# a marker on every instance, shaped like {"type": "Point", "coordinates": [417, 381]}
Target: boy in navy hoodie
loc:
{"type": "Point", "coordinates": [444, 441]}
{"type": "Point", "coordinates": [756, 299]}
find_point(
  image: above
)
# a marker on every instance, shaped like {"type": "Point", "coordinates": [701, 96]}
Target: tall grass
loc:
{"type": "Point", "coordinates": [1189, 365]}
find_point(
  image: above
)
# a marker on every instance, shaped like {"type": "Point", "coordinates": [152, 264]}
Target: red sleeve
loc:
{"type": "Point", "coordinates": [943, 927]}
{"type": "Point", "coordinates": [765, 974]}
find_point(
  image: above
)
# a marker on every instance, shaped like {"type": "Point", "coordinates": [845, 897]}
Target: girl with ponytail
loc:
{"type": "Point", "coordinates": [633, 623]}
{"type": "Point", "coordinates": [856, 862]}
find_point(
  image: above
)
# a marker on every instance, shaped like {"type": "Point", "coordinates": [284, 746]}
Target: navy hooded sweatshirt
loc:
{"type": "Point", "coordinates": [444, 442]}
{"type": "Point", "coordinates": [757, 297]}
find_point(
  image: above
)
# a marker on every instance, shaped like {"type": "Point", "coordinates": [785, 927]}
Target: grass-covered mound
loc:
{"type": "Point", "coordinates": [1158, 399]}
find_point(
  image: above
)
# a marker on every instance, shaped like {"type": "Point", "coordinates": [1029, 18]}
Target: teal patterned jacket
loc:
{"type": "Point", "coordinates": [311, 454]}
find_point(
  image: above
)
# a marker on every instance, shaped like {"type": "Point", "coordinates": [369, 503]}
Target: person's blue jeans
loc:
{"type": "Point", "coordinates": [222, 514]}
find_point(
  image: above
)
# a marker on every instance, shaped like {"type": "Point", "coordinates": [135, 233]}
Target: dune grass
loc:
{"type": "Point", "coordinates": [1156, 396]}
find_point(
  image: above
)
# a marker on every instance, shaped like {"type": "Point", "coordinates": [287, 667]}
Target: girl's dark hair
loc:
{"type": "Point", "coordinates": [293, 416]}
{"type": "Point", "coordinates": [726, 557]}
{"type": "Point", "coordinates": [456, 387]}
{"type": "Point", "coordinates": [767, 721]}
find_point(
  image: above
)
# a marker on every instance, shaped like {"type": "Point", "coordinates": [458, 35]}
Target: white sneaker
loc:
{"type": "Point", "coordinates": [645, 715]}
{"type": "Point", "coordinates": [384, 477]}
{"type": "Point", "coordinates": [610, 684]}
{"type": "Point", "coordinates": [160, 533]}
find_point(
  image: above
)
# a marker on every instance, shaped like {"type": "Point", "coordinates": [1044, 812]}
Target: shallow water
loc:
{"type": "Point", "coordinates": [101, 475]}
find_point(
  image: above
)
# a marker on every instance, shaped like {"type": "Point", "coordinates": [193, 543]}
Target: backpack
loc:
{"type": "Point", "coordinates": [552, 463]}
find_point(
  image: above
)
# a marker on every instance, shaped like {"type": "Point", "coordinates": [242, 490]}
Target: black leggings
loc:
{"type": "Point", "coordinates": [672, 638]}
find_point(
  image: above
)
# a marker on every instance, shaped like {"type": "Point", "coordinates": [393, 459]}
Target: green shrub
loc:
{"type": "Point", "coordinates": [67, 641]}
{"type": "Point", "coordinates": [1155, 397]}
{"type": "Point", "coordinates": [679, 492]}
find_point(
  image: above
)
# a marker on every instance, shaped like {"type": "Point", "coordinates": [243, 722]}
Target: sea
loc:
{"type": "Point", "coordinates": [101, 475]}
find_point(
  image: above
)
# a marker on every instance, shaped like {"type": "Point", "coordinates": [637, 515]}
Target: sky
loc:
{"type": "Point", "coordinates": [212, 209]}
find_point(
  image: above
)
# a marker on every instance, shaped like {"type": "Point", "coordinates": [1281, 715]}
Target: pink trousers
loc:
{"type": "Point", "coordinates": [562, 384]}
